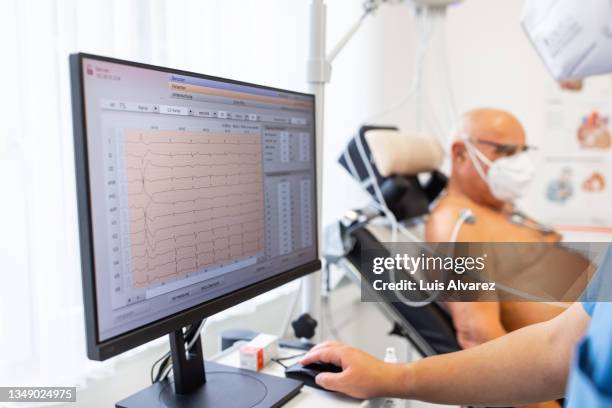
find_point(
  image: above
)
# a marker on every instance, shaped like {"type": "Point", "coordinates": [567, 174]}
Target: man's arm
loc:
{"type": "Point", "coordinates": [525, 366]}
{"type": "Point", "coordinates": [476, 322]}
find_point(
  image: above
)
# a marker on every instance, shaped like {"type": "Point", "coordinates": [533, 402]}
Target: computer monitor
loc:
{"type": "Point", "coordinates": [195, 193]}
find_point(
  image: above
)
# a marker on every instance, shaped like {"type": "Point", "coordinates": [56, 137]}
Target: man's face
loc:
{"type": "Point", "coordinates": [495, 134]}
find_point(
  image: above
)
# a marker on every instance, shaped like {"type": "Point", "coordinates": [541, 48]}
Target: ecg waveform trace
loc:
{"type": "Point", "coordinates": [195, 201]}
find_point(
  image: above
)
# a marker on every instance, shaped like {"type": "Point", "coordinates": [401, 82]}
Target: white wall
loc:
{"type": "Point", "coordinates": [371, 71]}
{"type": "Point", "coordinates": [491, 63]}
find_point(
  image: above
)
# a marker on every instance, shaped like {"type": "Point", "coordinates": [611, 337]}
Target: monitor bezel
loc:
{"type": "Point", "coordinates": [101, 350]}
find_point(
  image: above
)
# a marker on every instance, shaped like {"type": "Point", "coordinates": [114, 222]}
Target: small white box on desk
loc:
{"type": "Point", "coordinates": [258, 352]}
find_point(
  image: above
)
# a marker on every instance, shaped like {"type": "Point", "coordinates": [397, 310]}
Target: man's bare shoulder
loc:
{"type": "Point", "coordinates": [441, 221]}
{"type": "Point", "coordinates": [445, 215]}
{"type": "Point", "coordinates": [490, 225]}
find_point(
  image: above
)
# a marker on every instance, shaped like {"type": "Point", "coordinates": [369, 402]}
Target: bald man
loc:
{"type": "Point", "coordinates": [494, 134]}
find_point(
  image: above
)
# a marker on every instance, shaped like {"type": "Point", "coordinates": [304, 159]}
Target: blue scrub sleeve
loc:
{"type": "Point", "coordinates": [589, 307]}
{"type": "Point", "coordinates": [600, 287]}
{"type": "Point", "coordinates": [590, 383]}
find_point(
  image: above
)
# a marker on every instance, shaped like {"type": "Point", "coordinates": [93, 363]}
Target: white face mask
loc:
{"type": "Point", "coordinates": [572, 37]}
{"type": "Point", "coordinates": [508, 178]}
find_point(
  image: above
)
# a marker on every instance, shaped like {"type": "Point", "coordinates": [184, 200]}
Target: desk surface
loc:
{"type": "Point", "coordinates": [308, 396]}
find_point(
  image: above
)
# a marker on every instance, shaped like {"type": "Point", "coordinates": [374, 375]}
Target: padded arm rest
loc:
{"type": "Point", "coordinates": [429, 328]}
{"type": "Point", "coordinates": [403, 154]}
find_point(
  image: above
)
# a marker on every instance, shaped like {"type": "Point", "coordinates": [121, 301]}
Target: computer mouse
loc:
{"type": "Point", "coordinates": [307, 373]}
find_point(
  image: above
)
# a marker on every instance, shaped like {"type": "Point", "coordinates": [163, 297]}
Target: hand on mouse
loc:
{"type": "Point", "coordinates": [363, 376]}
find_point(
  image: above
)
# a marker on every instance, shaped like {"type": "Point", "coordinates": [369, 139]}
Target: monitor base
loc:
{"type": "Point", "coordinates": [225, 387]}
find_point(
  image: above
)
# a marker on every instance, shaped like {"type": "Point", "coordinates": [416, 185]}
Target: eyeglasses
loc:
{"type": "Point", "coordinates": [504, 149]}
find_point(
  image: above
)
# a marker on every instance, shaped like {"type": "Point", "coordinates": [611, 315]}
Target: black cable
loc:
{"type": "Point", "coordinates": [166, 359]}
{"type": "Point", "coordinates": [280, 360]}
{"type": "Point", "coordinates": [155, 378]}
{"type": "Point", "coordinates": [290, 357]}
{"type": "Point", "coordinates": [163, 368]}
{"type": "Point", "coordinates": [277, 361]}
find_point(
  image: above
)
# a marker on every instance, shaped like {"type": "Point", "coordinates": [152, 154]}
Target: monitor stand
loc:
{"type": "Point", "coordinates": [217, 386]}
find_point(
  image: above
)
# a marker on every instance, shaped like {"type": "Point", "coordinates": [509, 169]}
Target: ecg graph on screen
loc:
{"type": "Point", "coordinates": [195, 201]}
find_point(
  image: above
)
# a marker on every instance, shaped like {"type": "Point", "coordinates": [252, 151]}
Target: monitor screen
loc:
{"type": "Point", "coordinates": [198, 187]}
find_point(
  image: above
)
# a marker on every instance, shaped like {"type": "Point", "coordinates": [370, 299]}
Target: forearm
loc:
{"type": "Point", "coordinates": [525, 366]}
{"type": "Point", "coordinates": [514, 369]}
